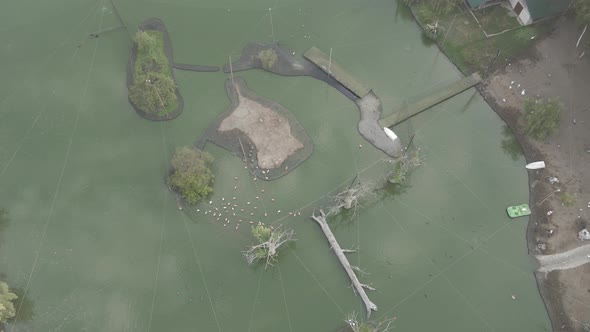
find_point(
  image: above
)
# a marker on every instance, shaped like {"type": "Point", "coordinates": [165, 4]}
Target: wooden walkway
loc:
{"type": "Point", "coordinates": [439, 95]}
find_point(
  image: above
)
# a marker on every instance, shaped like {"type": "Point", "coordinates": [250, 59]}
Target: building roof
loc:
{"type": "Point", "coordinates": [546, 8]}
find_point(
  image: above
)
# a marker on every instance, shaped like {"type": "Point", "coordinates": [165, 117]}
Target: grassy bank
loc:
{"type": "Point", "coordinates": [473, 42]}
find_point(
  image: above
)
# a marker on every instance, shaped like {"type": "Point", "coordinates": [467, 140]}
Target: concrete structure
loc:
{"type": "Point", "coordinates": [437, 96]}
{"type": "Point", "coordinates": [529, 11]}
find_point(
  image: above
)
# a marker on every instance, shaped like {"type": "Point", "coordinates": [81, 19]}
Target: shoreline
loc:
{"type": "Point", "coordinates": [546, 283]}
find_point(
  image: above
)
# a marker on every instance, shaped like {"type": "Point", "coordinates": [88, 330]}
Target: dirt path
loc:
{"type": "Point", "coordinates": [565, 260]}
{"type": "Point", "coordinates": [556, 73]}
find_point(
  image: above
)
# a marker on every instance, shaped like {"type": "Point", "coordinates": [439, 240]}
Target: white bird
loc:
{"type": "Point", "coordinates": [278, 211]}
{"type": "Point", "coordinates": [272, 199]}
{"type": "Point", "coordinates": [198, 210]}
{"type": "Point", "coordinates": [210, 202]}
{"type": "Point", "coordinates": [205, 212]}
{"type": "Point", "coordinates": [235, 178]}
{"type": "Point", "coordinates": [223, 198]}
{"type": "Point", "coordinates": [265, 214]}
{"type": "Point", "coordinates": [261, 190]}
{"type": "Point", "coordinates": [233, 198]}
{"type": "Point", "coordinates": [257, 197]}
{"type": "Point", "coordinates": [247, 203]}
{"type": "Point", "coordinates": [235, 187]}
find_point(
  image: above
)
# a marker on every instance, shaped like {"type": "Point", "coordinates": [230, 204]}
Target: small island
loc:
{"type": "Point", "coordinates": [260, 131]}
{"type": "Point", "coordinates": [153, 92]}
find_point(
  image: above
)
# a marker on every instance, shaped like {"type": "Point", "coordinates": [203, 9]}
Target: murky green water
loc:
{"type": "Point", "coordinates": [97, 241]}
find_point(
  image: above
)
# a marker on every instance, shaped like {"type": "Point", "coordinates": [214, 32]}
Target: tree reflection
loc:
{"type": "Point", "coordinates": [510, 144]}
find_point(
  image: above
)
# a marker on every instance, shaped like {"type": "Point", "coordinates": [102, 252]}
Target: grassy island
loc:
{"type": "Point", "coordinates": [153, 90]}
{"type": "Point", "coordinates": [150, 80]}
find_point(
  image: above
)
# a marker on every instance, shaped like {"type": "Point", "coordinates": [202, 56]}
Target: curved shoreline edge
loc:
{"type": "Point", "coordinates": [158, 25]}
{"type": "Point", "coordinates": [287, 64]}
{"type": "Point", "coordinates": [545, 283]}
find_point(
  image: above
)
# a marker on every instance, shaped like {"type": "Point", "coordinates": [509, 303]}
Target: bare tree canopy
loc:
{"type": "Point", "coordinates": [269, 242]}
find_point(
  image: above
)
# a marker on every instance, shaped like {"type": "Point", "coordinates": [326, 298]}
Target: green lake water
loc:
{"type": "Point", "coordinates": [97, 242]}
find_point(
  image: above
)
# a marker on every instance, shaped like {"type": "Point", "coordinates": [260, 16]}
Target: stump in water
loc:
{"type": "Point", "coordinates": [358, 286]}
{"type": "Point", "coordinates": [350, 198]}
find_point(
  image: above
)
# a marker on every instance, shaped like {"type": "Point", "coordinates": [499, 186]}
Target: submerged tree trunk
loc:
{"type": "Point", "coordinates": [359, 287]}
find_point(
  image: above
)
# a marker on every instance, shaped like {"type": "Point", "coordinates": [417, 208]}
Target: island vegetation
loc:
{"type": "Point", "coordinates": [268, 57]}
{"type": "Point", "coordinates": [190, 174]}
{"type": "Point", "coordinates": [153, 90]}
{"type": "Point", "coordinates": [7, 310]}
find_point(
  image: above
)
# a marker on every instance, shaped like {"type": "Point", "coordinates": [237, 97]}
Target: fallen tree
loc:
{"type": "Point", "coordinates": [358, 286]}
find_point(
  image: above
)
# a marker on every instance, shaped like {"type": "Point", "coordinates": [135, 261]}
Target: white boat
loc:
{"type": "Point", "coordinates": [390, 133]}
{"type": "Point", "coordinates": [536, 165]}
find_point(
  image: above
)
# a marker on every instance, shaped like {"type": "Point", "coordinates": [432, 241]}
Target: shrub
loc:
{"type": "Point", "coordinates": [568, 199]}
{"type": "Point", "coordinates": [541, 117]}
{"type": "Point", "coordinates": [268, 57]}
{"type": "Point", "coordinates": [190, 175]}
{"type": "Point", "coordinates": [6, 306]}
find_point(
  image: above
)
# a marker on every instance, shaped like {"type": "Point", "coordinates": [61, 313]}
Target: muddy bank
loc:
{"type": "Point", "coordinates": [548, 284]}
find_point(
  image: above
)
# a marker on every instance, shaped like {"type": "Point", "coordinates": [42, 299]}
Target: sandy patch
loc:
{"type": "Point", "coordinates": [269, 131]}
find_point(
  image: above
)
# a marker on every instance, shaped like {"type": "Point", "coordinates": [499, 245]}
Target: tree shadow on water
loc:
{"type": "Point", "coordinates": [403, 11]}
{"type": "Point", "coordinates": [4, 222]}
{"type": "Point", "coordinates": [510, 144]}
{"type": "Point", "coordinates": [23, 304]}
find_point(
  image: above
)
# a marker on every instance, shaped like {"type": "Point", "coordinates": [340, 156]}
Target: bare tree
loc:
{"type": "Point", "coordinates": [269, 242]}
{"type": "Point", "coordinates": [356, 326]}
{"type": "Point", "coordinates": [350, 198]}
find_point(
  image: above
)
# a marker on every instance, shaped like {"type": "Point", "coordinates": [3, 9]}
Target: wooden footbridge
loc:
{"type": "Point", "coordinates": [437, 96]}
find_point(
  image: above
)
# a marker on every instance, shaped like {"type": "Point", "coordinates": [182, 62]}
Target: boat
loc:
{"type": "Point", "coordinates": [390, 133]}
{"type": "Point", "coordinates": [536, 165]}
{"type": "Point", "coordinates": [518, 211]}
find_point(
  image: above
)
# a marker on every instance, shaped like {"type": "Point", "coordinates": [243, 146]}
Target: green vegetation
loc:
{"type": "Point", "coordinates": [466, 44]}
{"type": "Point", "coordinates": [408, 162]}
{"type": "Point", "coordinates": [541, 117]}
{"type": "Point", "coordinates": [582, 12]}
{"type": "Point", "coordinates": [190, 175]}
{"type": "Point", "coordinates": [268, 58]}
{"type": "Point", "coordinates": [568, 199]}
{"type": "Point", "coordinates": [7, 310]}
{"type": "Point", "coordinates": [153, 90]}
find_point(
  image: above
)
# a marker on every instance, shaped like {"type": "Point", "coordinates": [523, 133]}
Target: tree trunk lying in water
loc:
{"type": "Point", "coordinates": [358, 286]}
